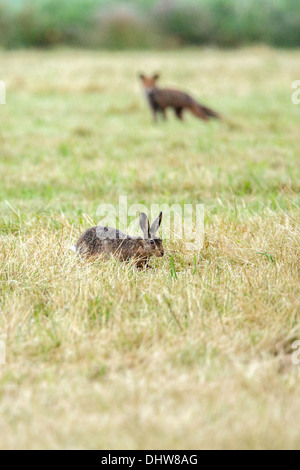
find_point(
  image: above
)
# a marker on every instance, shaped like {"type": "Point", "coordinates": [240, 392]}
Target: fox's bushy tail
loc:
{"type": "Point", "coordinates": [202, 112]}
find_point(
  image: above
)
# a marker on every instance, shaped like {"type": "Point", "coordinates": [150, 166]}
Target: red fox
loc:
{"type": "Point", "coordinates": [161, 98]}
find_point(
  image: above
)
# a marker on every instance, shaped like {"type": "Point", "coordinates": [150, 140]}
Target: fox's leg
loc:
{"type": "Point", "coordinates": [154, 114]}
{"type": "Point", "coordinates": [164, 114]}
{"type": "Point", "coordinates": [179, 113]}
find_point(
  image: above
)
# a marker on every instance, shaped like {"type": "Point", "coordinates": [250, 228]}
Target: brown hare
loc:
{"type": "Point", "coordinates": [110, 242]}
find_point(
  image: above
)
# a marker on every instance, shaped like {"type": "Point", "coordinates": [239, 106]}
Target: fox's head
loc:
{"type": "Point", "coordinates": [149, 82]}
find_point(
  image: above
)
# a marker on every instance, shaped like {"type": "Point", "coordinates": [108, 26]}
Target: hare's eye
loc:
{"type": "Point", "coordinates": [152, 242]}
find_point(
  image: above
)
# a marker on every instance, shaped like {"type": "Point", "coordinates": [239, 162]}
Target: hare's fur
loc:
{"type": "Point", "coordinates": [107, 242]}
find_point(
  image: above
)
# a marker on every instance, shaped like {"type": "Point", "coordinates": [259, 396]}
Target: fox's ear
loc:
{"type": "Point", "coordinates": [156, 224]}
{"type": "Point", "coordinates": [156, 76]}
{"type": "Point", "coordinates": [145, 226]}
{"type": "Point", "coordinates": [142, 76]}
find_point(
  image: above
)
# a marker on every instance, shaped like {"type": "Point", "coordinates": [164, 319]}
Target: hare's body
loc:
{"type": "Point", "coordinates": [107, 242]}
{"type": "Point", "coordinates": [162, 98]}
{"type": "Point", "coordinates": [122, 246]}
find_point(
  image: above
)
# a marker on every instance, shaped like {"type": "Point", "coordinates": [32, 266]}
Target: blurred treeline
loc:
{"type": "Point", "coordinates": [149, 23]}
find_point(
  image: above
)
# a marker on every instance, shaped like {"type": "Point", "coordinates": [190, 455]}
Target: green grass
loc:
{"type": "Point", "coordinates": [197, 353]}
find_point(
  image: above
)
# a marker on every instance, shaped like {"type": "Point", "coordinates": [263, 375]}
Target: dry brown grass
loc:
{"type": "Point", "coordinates": [103, 356]}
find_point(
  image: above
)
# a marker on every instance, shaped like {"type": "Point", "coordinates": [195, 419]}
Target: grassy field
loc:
{"type": "Point", "coordinates": [196, 353]}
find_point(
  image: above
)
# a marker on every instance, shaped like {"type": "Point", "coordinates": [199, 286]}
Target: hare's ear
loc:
{"type": "Point", "coordinates": [156, 76]}
{"type": "Point", "coordinates": [145, 226]}
{"type": "Point", "coordinates": [142, 76]}
{"type": "Point", "coordinates": [156, 224]}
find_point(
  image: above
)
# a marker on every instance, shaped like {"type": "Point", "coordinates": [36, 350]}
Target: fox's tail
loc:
{"type": "Point", "coordinates": [202, 112]}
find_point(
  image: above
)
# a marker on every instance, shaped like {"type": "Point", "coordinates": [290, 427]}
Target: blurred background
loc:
{"type": "Point", "coordinates": [114, 24]}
